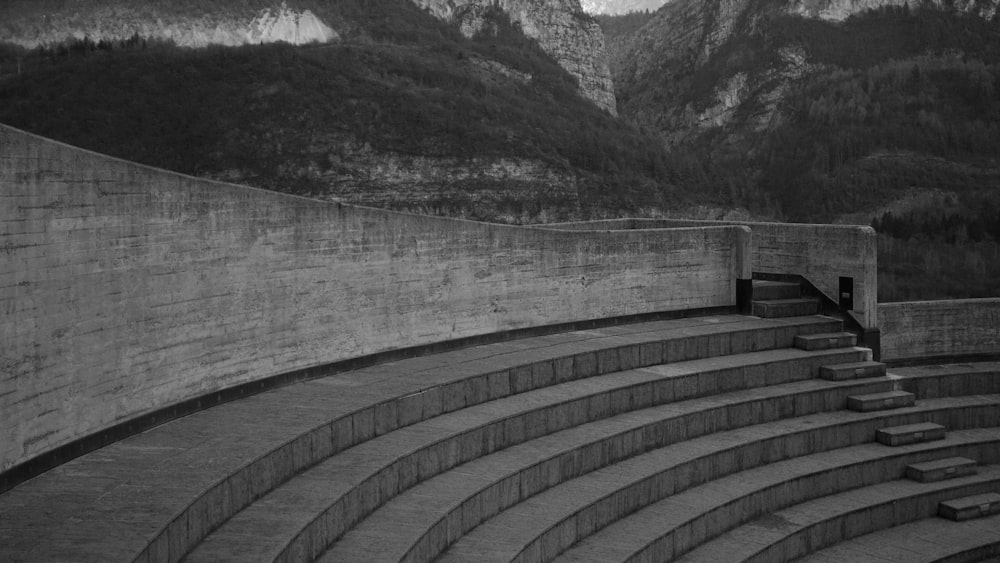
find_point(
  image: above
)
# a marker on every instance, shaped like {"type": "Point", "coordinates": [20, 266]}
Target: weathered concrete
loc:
{"type": "Point", "coordinates": [941, 469]}
{"type": "Point", "coordinates": [156, 494]}
{"type": "Point", "coordinates": [125, 288]}
{"type": "Point", "coordinates": [821, 254]}
{"type": "Point", "coordinates": [949, 380]}
{"type": "Point", "coordinates": [881, 401]}
{"type": "Point", "coordinates": [966, 508]}
{"type": "Point", "coordinates": [939, 329]}
{"type": "Point", "coordinates": [910, 434]}
{"type": "Point", "coordinates": [444, 442]}
{"type": "Point", "coordinates": [854, 370]}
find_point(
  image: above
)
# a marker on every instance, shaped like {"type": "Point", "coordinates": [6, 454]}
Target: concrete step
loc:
{"type": "Point", "coordinates": [880, 401]}
{"type": "Point", "coordinates": [259, 442]}
{"type": "Point", "coordinates": [774, 308]}
{"type": "Point", "coordinates": [967, 508]}
{"type": "Point", "coordinates": [669, 528]}
{"type": "Point", "coordinates": [941, 469]}
{"type": "Point", "coordinates": [852, 370]}
{"type": "Point", "coordinates": [765, 290]}
{"type": "Point", "coordinates": [910, 434]}
{"type": "Point", "coordinates": [795, 532]}
{"type": "Point", "coordinates": [950, 380]}
{"type": "Point", "coordinates": [454, 502]}
{"type": "Point", "coordinates": [825, 341]}
{"type": "Point", "coordinates": [929, 540]}
{"type": "Point", "coordinates": [559, 517]}
{"type": "Point", "coordinates": [380, 468]}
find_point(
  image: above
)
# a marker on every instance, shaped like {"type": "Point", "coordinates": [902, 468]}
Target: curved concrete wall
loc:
{"type": "Point", "coordinates": [937, 329]}
{"type": "Point", "coordinates": [124, 288]}
{"type": "Point", "coordinates": [819, 253]}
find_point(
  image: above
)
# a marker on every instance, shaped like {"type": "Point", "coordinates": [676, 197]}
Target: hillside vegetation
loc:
{"type": "Point", "coordinates": [303, 119]}
{"type": "Point", "coordinates": [886, 105]}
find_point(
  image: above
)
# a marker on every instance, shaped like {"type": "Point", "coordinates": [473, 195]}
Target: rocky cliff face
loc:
{"type": "Point", "coordinates": [618, 7]}
{"type": "Point", "coordinates": [561, 29]}
{"type": "Point", "coordinates": [31, 28]}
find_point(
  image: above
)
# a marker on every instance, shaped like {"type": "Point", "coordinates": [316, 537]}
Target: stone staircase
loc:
{"type": "Point", "coordinates": [773, 299]}
{"type": "Point", "coordinates": [706, 438]}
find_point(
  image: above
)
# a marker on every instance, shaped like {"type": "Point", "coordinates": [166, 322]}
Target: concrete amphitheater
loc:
{"type": "Point", "coordinates": [197, 371]}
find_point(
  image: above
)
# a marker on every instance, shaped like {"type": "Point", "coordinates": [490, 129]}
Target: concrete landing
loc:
{"type": "Point", "coordinates": [159, 492]}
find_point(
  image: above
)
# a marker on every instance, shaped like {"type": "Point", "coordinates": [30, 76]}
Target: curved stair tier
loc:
{"type": "Point", "coordinates": [949, 380]}
{"type": "Point", "coordinates": [930, 540]}
{"type": "Point", "coordinates": [155, 495]}
{"type": "Point", "coordinates": [547, 524]}
{"type": "Point", "coordinates": [309, 510]}
{"type": "Point", "coordinates": [804, 528]}
{"type": "Point", "coordinates": [671, 527]}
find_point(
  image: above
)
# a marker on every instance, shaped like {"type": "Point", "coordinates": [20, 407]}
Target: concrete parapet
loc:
{"type": "Point", "coordinates": [934, 330]}
{"type": "Point", "coordinates": [833, 258]}
{"type": "Point", "coordinates": [125, 289]}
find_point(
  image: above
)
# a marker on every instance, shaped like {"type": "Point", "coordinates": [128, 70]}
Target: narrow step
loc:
{"type": "Point", "coordinates": [825, 341]}
{"type": "Point", "coordinates": [774, 308]}
{"type": "Point", "coordinates": [881, 401]}
{"type": "Point", "coordinates": [853, 370]}
{"type": "Point", "coordinates": [909, 434]}
{"type": "Point", "coordinates": [941, 469]}
{"type": "Point", "coordinates": [950, 380]}
{"type": "Point", "coordinates": [929, 540]}
{"type": "Point", "coordinates": [764, 290]}
{"type": "Point", "coordinates": [967, 508]}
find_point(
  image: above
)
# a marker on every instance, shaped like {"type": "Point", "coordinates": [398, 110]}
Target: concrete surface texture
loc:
{"type": "Point", "coordinates": [935, 329]}
{"type": "Point", "coordinates": [821, 254]}
{"type": "Point", "coordinates": [125, 288]}
{"type": "Point", "coordinates": [155, 495]}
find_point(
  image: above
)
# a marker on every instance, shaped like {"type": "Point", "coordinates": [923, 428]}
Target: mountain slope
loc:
{"type": "Point", "coordinates": [794, 116]}
{"type": "Point", "coordinates": [561, 28]}
{"type": "Point", "coordinates": [402, 111]}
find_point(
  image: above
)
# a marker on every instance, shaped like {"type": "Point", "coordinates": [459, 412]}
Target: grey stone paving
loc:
{"type": "Point", "coordinates": [108, 505]}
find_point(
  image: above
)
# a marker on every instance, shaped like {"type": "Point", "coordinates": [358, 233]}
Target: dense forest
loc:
{"type": "Point", "coordinates": [894, 102]}
{"type": "Point", "coordinates": [403, 83]}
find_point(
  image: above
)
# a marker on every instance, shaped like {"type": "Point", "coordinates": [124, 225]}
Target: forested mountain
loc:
{"type": "Point", "coordinates": [817, 115]}
{"type": "Point", "coordinates": [401, 110]}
